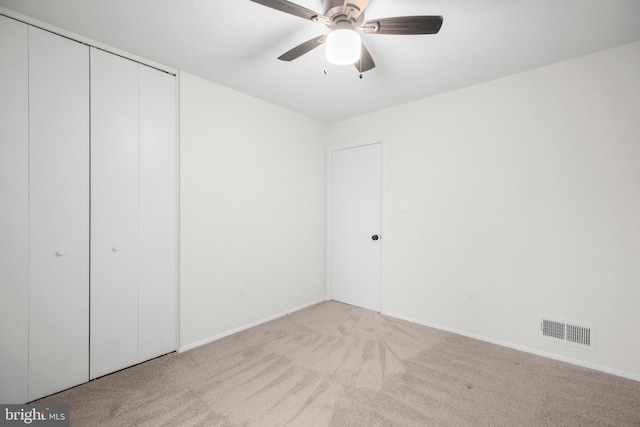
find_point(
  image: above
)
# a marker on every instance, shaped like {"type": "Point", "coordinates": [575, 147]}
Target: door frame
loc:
{"type": "Point", "coordinates": [330, 151]}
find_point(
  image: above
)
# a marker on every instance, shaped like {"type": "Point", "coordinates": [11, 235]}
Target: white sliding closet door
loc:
{"type": "Point", "coordinates": [88, 217]}
{"type": "Point", "coordinates": [59, 213]}
{"type": "Point", "coordinates": [114, 213]}
{"type": "Point", "coordinates": [157, 213]}
{"type": "Point", "coordinates": [14, 215]}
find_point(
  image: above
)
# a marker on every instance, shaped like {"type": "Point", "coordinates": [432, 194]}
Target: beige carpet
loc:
{"type": "Point", "coordinates": [338, 365]}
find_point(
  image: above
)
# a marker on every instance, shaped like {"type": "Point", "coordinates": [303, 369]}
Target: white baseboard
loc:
{"type": "Point", "coordinates": [216, 337]}
{"type": "Point", "coordinates": [620, 373]}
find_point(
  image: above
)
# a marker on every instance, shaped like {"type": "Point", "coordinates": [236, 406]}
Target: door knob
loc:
{"type": "Point", "coordinates": [374, 237]}
{"type": "Point", "coordinates": [116, 249]}
{"type": "Point", "coordinates": [60, 253]}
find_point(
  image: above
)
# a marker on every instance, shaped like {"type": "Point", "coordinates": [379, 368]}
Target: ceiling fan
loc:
{"type": "Point", "coordinates": [343, 18]}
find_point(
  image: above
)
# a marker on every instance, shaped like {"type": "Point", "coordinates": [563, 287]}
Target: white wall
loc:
{"type": "Point", "coordinates": [527, 189]}
{"type": "Point", "coordinates": [252, 210]}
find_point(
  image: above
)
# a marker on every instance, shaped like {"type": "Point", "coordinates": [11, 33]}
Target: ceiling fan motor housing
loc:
{"type": "Point", "coordinates": [341, 17]}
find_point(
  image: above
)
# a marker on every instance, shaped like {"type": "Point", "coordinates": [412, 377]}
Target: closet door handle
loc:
{"type": "Point", "coordinates": [60, 253]}
{"type": "Point", "coordinates": [116, 249]}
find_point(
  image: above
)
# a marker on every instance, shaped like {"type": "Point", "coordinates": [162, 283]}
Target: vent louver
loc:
{"type": "Point", "coordinates": [571, 333]}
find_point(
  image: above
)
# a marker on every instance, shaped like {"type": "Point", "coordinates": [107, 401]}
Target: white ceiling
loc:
{"type": "Point", "coordinates": [236, 42]}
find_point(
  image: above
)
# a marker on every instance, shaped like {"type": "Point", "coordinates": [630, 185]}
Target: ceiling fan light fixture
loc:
{"type": "Point", "coordinates": [343, 47]}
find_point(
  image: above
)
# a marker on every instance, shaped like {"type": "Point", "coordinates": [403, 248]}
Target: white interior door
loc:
{"type": "Point", "coordinates": [356, 182]}
{"type": "Point", "coordinates": [157, 213]}
{"type": "Point", "coordinates": [114, 213]}
{"type": "Point", "coordinates": [14, 213]}
{"type": "Point", "coordinates": [59, 213]}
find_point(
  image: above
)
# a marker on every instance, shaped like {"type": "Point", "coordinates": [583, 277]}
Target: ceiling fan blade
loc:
{"type": "Point", "coordinates": [290, 8]}
{"type": "Point", "coordinates": [353, 8]}
{"type": "Point", "coordinates": [404, 25]}
{"type": "Point", "coordinates": [303, 48]}
{"type": "Point", "coordinates": [366, 61]}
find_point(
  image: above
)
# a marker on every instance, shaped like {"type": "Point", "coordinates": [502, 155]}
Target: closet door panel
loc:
{"type": "Point", "coordinates": [157, 214]}
{"type": "Point", "coordinates": [59, 213]}
{"type": "Point", "coordinates": [14, 215]}
{"type": "Point", "coordinates": [114, 213]}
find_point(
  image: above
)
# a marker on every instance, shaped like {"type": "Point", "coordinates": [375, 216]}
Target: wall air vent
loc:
{"type": "Point", "coordinates": [571, 333]}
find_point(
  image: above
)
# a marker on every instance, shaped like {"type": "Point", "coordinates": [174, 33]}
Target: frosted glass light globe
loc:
{"type": "Point", "coordinates": [343, 47]}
